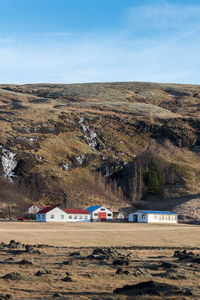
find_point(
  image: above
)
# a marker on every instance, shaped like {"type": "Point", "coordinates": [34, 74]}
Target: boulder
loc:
{"type": "Point", "coordinates": [151, 288]}
{"type": "Point", "coordinates": [17, 276]}
{"type": "Point", "coordinates": [42, 272]}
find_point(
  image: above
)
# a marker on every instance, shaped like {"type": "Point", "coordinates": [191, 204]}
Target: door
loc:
{"type": "Point", "coordinates": [135, 218]}
{"type": "Point", "coordinates": [102, 215]}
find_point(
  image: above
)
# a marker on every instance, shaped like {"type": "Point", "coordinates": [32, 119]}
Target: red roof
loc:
{"type": "Point", "coordinates": [46, 209]}
{"type": "Point", "coordinates": [77, 211]}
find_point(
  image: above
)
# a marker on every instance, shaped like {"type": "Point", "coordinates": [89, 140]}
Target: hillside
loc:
{"type": "Point", "coordinates": [59, 136]}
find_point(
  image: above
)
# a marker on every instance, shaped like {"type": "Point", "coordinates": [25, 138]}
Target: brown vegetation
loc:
{"type": "Point", "coordinates": [40, 123]}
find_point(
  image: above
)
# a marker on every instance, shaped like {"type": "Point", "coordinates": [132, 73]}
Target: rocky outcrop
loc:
{"type": "Point", "coordinates": [8, 162]}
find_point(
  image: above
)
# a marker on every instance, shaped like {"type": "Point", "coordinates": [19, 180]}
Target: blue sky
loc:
{"type": "Point", "coordinates": [69, 41]}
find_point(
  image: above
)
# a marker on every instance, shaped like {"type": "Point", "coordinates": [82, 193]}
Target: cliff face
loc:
{"type": "Point", "coordinates": [55, 137]}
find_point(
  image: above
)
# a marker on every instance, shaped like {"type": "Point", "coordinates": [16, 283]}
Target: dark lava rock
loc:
{"type": "Point", "coordinates": [2, 245]}
{"type": "Point", "coordinates": [167, 265]}
{"type": "Point", "coordinates": [102, 253]}
{"type": "Point", "coordinates": [26, 262]}
{"type": "Point", "coordinates": [150, 288]}
{"type": "Point", "coordinates": [183, 255]}
{"type": "Point", "coordinates": [5, 297]}
{"type": "Point", "coordinates": [196, 260]}
{"type": "Point", "coordinates": [76, 253]}
{"type": "Point", "coordinates": [31, 249]}
{"type": "Point", "coordinates": [15, 245]}
{"type": "Point", "coordinates": [179, 274]}
{"type": "Point", "coordinates": [136, 272]}
{"type": "Point", "coordinates": [17, 276]}
{"type": "Point", "coordinates": [57, 295]}
{"type": "Point", "coordinates": [42, 272]}
{"type": "Point", "coordinates": [121, 262]}
{"type": "Point", "coordinates": [68, 262]}
{"type": "Point", "coordinates": [67, 279]}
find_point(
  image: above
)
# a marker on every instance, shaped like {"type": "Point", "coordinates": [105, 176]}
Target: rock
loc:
{"type": "Point", "coordinates": [8, 162]}
{"type": "Point", "coordinates": [17, 276]}
{"type": "Point", "coordinates": [136, 272]}
{"type": "Point", "coordinates": [167, 265]}
{"type": "Point", "coordinates": [121, 262]}
{"type": "Point", "coordinates": [5, 297]}
{"type": "Point", "coordinates": [183, 255]}
{"type": "Point", "coordinates": [151, 288]}
{"type": "Point", "coordinates": [76, 253]}
{"type": "Point", "coordinates": [68, 262]}
{"type": "Point", "coordinates": [196, 260]}
{"type": "Point", "coordinates": [26, 262]}
{"type": "Point", "coordinates": [179, 274]}
{"type": "Point", "coordinates": [15, 245]}
{"type": "Point", "coordinates": [42, 272]}
{"type": "Point", "coordinates": [67, 279]}
{"type": "Point", "coordinates": [57, 295]}
{"type": "Point", "coordinates": [31, 249]}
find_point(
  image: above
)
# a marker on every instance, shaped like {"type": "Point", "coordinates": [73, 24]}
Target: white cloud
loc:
{"type": "Point", "coordinates": [163, 15]}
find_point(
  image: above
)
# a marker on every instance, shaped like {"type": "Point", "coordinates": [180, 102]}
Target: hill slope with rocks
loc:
{"type": "Point", "coordinates": [81, 144]}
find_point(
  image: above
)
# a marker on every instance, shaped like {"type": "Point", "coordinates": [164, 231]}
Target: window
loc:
{"type": "Point", "coordinates": [52, 216]}
{"type": "Point", "coordinates": [38, 216]}
{"type": "Point", "coordinates": [62, 216]}
{"type": "Point", "coordinates": [43, 216]}
{"type": "Point", "coordinates": [102, 208]}
{"type": "Point", "coordinates": [85, 217]}
{"type": "Point", "coordinates": [143, 217]}
{"type": "Point", "coordinates": [75, 216]}
{"type": "Point", "coordinates": [109, 215]}
{"type": "Point", "coordinates": [70, 216]}
{"type": "Point", "coordinates": [155, 217]}
{"type": "Point", "coordinates": [80, 217]}
{"type": "Point", "coordinates": [96, 214]}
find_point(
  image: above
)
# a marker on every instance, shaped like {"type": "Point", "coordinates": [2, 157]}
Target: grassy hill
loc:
{"type": "Point", "coordinates": [63, 134]}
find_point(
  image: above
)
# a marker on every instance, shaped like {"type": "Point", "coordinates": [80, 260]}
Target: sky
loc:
{"type": "Point", "coordinates": [69, 41]}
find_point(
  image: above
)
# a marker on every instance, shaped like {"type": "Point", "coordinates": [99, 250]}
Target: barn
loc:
{"type": "Point", "coordinates": [55, 214]}
{"type": "Point", "coordinates": [150, 216]}
{"type": "Point", "coordinates": [100, 213]}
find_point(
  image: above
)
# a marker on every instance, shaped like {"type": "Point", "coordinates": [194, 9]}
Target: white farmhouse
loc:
{"type": "Point", "coordinates": [100, 213]}
{"type": "Point", "coordinates": [150, 216]}
{"type": "Point", "coordinates": [34, 208]}
{"type": "Point", "coordinates": [51, 214]}
{"type": "Point", "coordinates": [55, 214]}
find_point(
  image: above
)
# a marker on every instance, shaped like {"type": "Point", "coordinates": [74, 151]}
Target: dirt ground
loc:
{"type": "Point", "coordinates": [93, 260]}
{"type": "Point", "coordinates": [101, 234]}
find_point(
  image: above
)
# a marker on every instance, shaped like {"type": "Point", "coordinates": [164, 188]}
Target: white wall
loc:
{"type": "Point", "coordinates": [109, 213]}
{"type": "Point", "coordinates": [78, 218]}
{"type": "Point", "coordinates": [162, 218]}
{"type": "Point", "coordinates": [153, 218]}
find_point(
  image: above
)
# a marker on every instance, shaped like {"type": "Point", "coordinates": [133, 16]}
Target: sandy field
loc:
{"type": "Point", "coordinates": [101, 234]}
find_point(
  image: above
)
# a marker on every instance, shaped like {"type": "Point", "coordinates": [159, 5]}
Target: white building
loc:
{"type": "Point", "coordinates": [100, 213]}
{"type": "Point", "coordinates": [34, 208]}
{"type": "Point", "coordinates": [55, 214]}
{"type": "Point", "coordinates": [51, 214]}
{"type": "Point", "coordinates": [77, 215]}
{"type": "Point", "coordinates": [121, 216]}
{"type": "Point", "coordinates": [150, 216]}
